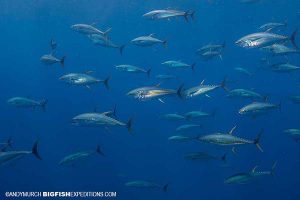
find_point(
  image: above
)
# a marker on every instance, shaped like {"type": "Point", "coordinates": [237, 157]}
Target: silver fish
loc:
{"type": "Point", "coordinates": [24, 102]}
{"type": "Point", "coordinates": [227, 139]}
{"type": "Point", "coordinates": [173, 117]}
{"type": "Point", "coordinates": [201, 90]}
{"type": "Point", "coordinates": [105, 42]}
{"type": "Point", "coordinates": [186, 127]}
{"type": "Point", "coordinates": [272, 25]}
{"type": "Point", "coordinates": [165, 76]}
{"type": "Point", "coordinates": [9, 156]}
{"type": "Point", "coordinates": [146, 41]}
{"type": "Point", "coordinates": [243, 71]}
{"type": "Point", "coordinates": [133, 69]}
{"type": "Point", "coordinates": [83, 80]}
{"type": "Point", "coordinates": [263, 39]}
{"type": "Point", "coordinates": [180, 138]}
{"type": "Point", "coordinates": [211, 48]}
{"type": "Point", "coordinates": [295, 99]}
{"type": "Point", "coordinates": [293, 133]}
{"type": "Point", "coordinates": [169, 14]}
{"type": "Point", "coordinates": [284, 68]}
{"type": "Point", "coordinates": [246, 177]}
{"type": "Point", "coordinates": [147, 93]}
{"type": "Point", "coordinates": [203, 156]}
{"type": "Point", "coordinates": [198, 114]}
{"type": "Point", "coordinates": [281, 50]}
{"type": "Point", "coordinates": [178, 64]}
{"type": "Point", "coordinates": [50, 59]}
{"type": "Point", "coordinates": [245, 94]}
{"type": "Point", "coordinates": [99, 120]}
{"type": "Point", "coordinates": [87, 29]}
{"type": "Point", "coordinates": [208, 55]}
{"type": "Point", "coordinates": [79, 155]}
{"type": "Point", "coordinates": [146, 184]}
{"type": "Point", "coordinates": [257, 108]}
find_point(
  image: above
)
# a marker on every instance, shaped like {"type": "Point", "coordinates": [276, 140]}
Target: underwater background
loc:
{"type": "Point", "coordinates": [28, 26]}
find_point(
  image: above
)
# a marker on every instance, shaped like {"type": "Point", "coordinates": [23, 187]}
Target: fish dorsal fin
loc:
{"type": "Point", "coordinates": [95, 109]}
{"type": "Point", "coordinates": [106, 113]}
{"type": "Point", "coordinates": [202, 82]}
{"type": "Point", "coordinates": [254, 169]}
{"type": "Point", "coordinates": [52, 53]}
{"type": "Point", "coordinates": [158, 85]}
{"type": "Point", "coordinates": [88, 72]}
{"type": "Point", "coordinates": [151, 35]}
{"type": "Point", "coordinates": [232, 130]}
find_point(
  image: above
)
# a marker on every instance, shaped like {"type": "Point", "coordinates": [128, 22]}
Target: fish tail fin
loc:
{"type": "Point", "coordinates": [224, 44]}
{"type": "Point", "coordinates": [121, 48]}
{"type": "Point", "coordinates": [165, 187]}
{"type": "Point", "coordinates": [35, 150]}
{"type": "Point", "coordinates": [114, 111]}
{"type": "Point", "coordinates": [192, 14]}
{"type": "Point", "coordinates": [186, 14]}
{"type": "Point", "coordinates": [165, 43]}
{"type": "Point", "coordinates": [293, 38]}
{"type": "Point", "coordinates": [224, 158]}
{"type": "Point", "coordinates": [9, 142]}
{"type": "Point", "coordinates": [280, 106]}
{"type": "Point", "coordinates": [149, 72]}
{"type": "Point", "coordinates": [62, 61]}
{"type": "Point", "coordinates": [99, 151]}
{"type": "Point", "coordinates": [193, 66]}
{"type": "Point", "coordinates": [180, 91]}
{"type": "Point", "coordinates": [129, 125]}
{"type": "Point", "coordinates": [224, 84]}
{"type": "Point", "coordinates": [106, 82]}
{"type": "Point", "coordinates": [43, 104]}
{"type": "Point", "coordinates": [257, 141]}
{"type": "Point", "coordinates": [273, 168]}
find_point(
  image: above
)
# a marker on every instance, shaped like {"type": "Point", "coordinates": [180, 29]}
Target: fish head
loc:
{"type": "Point", "coordinates": [75, 27]}
{"type": "Point", "coordinates": [243, 111]}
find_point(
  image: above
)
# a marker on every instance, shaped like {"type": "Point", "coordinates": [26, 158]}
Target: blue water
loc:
{"type": "Point", "coordinates": [26, 29]}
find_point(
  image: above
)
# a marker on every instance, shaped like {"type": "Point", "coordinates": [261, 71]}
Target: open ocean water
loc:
{"type": "Point", "coordinates": [142, 163]}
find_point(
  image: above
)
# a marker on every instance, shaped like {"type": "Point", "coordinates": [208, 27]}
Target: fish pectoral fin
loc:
{"type": "Point", "coordinates": [88, 87]}
{"type": "Point", "coordinates": [208, 96]}
{"type": "Point", "coordinates": [160, 100]}
{"type": "Point", "coordinates": [234, 151]}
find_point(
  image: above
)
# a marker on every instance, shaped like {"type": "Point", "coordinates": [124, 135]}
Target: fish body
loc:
{"type": "Point", "coordinates": [24, 102]}
{"type": "Point", "coordinates": [272, 25]}
{"type": "Point", "coordinates": [180, 138]}
{"type": "Point", "coordinates": [246, 177]}
{"type": "Point", "coordinates": [186, 127]}
{"type": "Point", "coordinates": [82, 79]}
{"type": "Point", "coordinates": [98, 120]}
{"type": "Point", "coordinates": [9, 156]}
{"type": "Point", "coordinates": [201, 90]}
{"type": "Point", "coordinates": [146, 93]}
{"type": "Point", "coordinates": [295, 99]}
{"type": "Point", "coordinates": [284, 68]}
{"type": "Point", "coordinates": [168, 14]}
{"type": "Point", "coordinates": [103, 41]}
{"type": "Point", "coordinates": [50, 59]}
{"type": "Point", "coordinates": [293, 133]}
{"type": "Point", "coordinates": [211, 48]}
{"type": "Point", "coordinates": [257, 108]}
{"type": "Point", "coordinates": [208, 55]}
{"type": "Point", "coordinates": [281, 50]}
{"type": "Point", "coordinates": [146, 184]}
{"type": "Point", "coordinates": [197, 114]}
{"type": "Point", "coordinates": [147, 41]}
{"type": "Point", "coordinates": [203, 156]}
{"type": "Point", "coordinates": [224, 139]}
{"type": "Point", "coordinates": [178, 64]}
{"type": "Point", "coordinates": [245, 94]}
{"type": "Point", "coordinates": [133, 69]}
{"type": "Point", "coordinates": [173, 117]}
{"type": "Point", "coordinates": [263, 39]}
{"type": "Point", "coordinates": [243, 71]}
{"type": "Point", "coordinates": [165, 77]}
{"type": "Point", "coordinates": [87, 29]}
{"type": "Point", "coordinates": [79, 156]}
